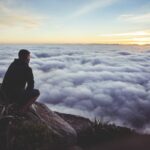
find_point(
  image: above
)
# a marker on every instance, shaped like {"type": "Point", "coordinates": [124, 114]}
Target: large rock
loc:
{"type": "Point", "coordinates": [54, 122]}
{"type": "Point", "coordinates": [83, 127]}
{"type": "Point", "coordinates": [38, 129]}
{"type": "Point", "coordinates": [80, 124]}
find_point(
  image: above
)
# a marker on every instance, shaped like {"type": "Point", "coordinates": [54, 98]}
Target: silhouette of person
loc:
{"type": "Point", "coordinates": [18, 82]}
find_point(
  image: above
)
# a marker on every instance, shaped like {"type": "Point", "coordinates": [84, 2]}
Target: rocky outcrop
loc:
{"type": "Point", "coordinates": [54, 122]}
{"type": "Point", "coordinates": [39, 129]}
{"type": "Point", "coordinates": [42, 129]}
{"type": "Point", "coordinates": [80, 124]}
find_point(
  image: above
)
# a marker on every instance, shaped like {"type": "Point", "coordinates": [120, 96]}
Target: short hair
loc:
{"type": "Point", "coordinates": [23, 54]}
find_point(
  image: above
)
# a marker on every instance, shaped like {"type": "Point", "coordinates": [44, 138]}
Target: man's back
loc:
{"type": "Point", "coordinates": [16, 77]}
{"type": "Point", "coordinates": [14, 83]}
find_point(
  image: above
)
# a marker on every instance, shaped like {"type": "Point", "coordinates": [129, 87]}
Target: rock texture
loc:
{"type": "Point", "coordinates": [79, 123]}
{"type": "Point", "coordinates": [54, 122]}
{"type": "Point", "coordinates": [39, 129]}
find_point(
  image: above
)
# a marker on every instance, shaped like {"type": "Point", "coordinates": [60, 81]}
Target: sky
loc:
{"type": "Point", "coordinates": [75, 21]}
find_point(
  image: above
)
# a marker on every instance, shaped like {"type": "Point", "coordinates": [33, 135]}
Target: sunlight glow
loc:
{"type": "Point", "coordinates": [138, 33]}
{"type": "Point", "coordinates": [141, 41]}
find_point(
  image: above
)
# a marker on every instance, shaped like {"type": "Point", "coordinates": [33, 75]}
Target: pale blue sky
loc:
{"type": "Point", "coordinates": [75, 21]}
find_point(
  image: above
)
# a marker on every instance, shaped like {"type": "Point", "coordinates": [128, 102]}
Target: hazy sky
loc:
{"type": "Point", "coordinates": [75, 21]}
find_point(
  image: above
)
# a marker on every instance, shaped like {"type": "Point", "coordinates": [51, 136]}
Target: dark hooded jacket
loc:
{"type": "Point", "coordinates": [19, 77]}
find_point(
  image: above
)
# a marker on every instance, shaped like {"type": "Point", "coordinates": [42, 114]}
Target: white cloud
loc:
{"type": "Point", "coordinates": [14, 17]}
{"type": "Point", "coordinates": [137, 33]}
{"type": "Point", "coordinates": [91, 6]}
{"type": "Point", "coordinates": [141, 18]}
{"type": "Point", "coordinates": [136, 37]}
{"type": "Point", "coordinates": [103, 81]}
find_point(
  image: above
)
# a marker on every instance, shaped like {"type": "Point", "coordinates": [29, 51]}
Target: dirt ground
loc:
{"type": "Point", "coordinates": [132, 143]}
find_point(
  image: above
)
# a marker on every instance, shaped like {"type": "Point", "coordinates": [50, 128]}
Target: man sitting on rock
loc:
{"type": "Point", "coordinates": [18, 83]}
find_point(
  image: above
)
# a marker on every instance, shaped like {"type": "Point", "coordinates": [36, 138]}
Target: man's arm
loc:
{"type": "Point", "coordinates": [30, 80]}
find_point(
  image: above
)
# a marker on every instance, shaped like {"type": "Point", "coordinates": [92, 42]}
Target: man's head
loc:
{"type": "Point", "coordinates": [24, 55]}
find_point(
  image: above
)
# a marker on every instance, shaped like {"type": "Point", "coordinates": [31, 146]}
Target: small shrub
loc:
{"type": "Point", "coordinates": [102, 131]}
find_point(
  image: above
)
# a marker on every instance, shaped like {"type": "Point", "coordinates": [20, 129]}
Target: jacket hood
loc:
{"type": "Point", "coordinates": [20, 62]}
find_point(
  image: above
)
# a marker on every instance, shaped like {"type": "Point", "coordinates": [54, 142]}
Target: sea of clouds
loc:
{"type": "Point", "coordinates": [108, 82]}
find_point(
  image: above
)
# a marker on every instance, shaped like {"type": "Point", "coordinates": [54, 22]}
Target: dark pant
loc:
{"type": "Point", "coordinates": [23, 99]}
{"type": "Point", "coordinates": [29, 97]}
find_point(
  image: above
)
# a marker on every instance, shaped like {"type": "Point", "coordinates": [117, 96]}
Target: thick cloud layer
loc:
{"type": "Point", "coordinates": [109, 82]}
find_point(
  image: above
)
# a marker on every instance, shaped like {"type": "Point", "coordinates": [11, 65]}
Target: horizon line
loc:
{"type": "Point", "coordinates": [75, 44]}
